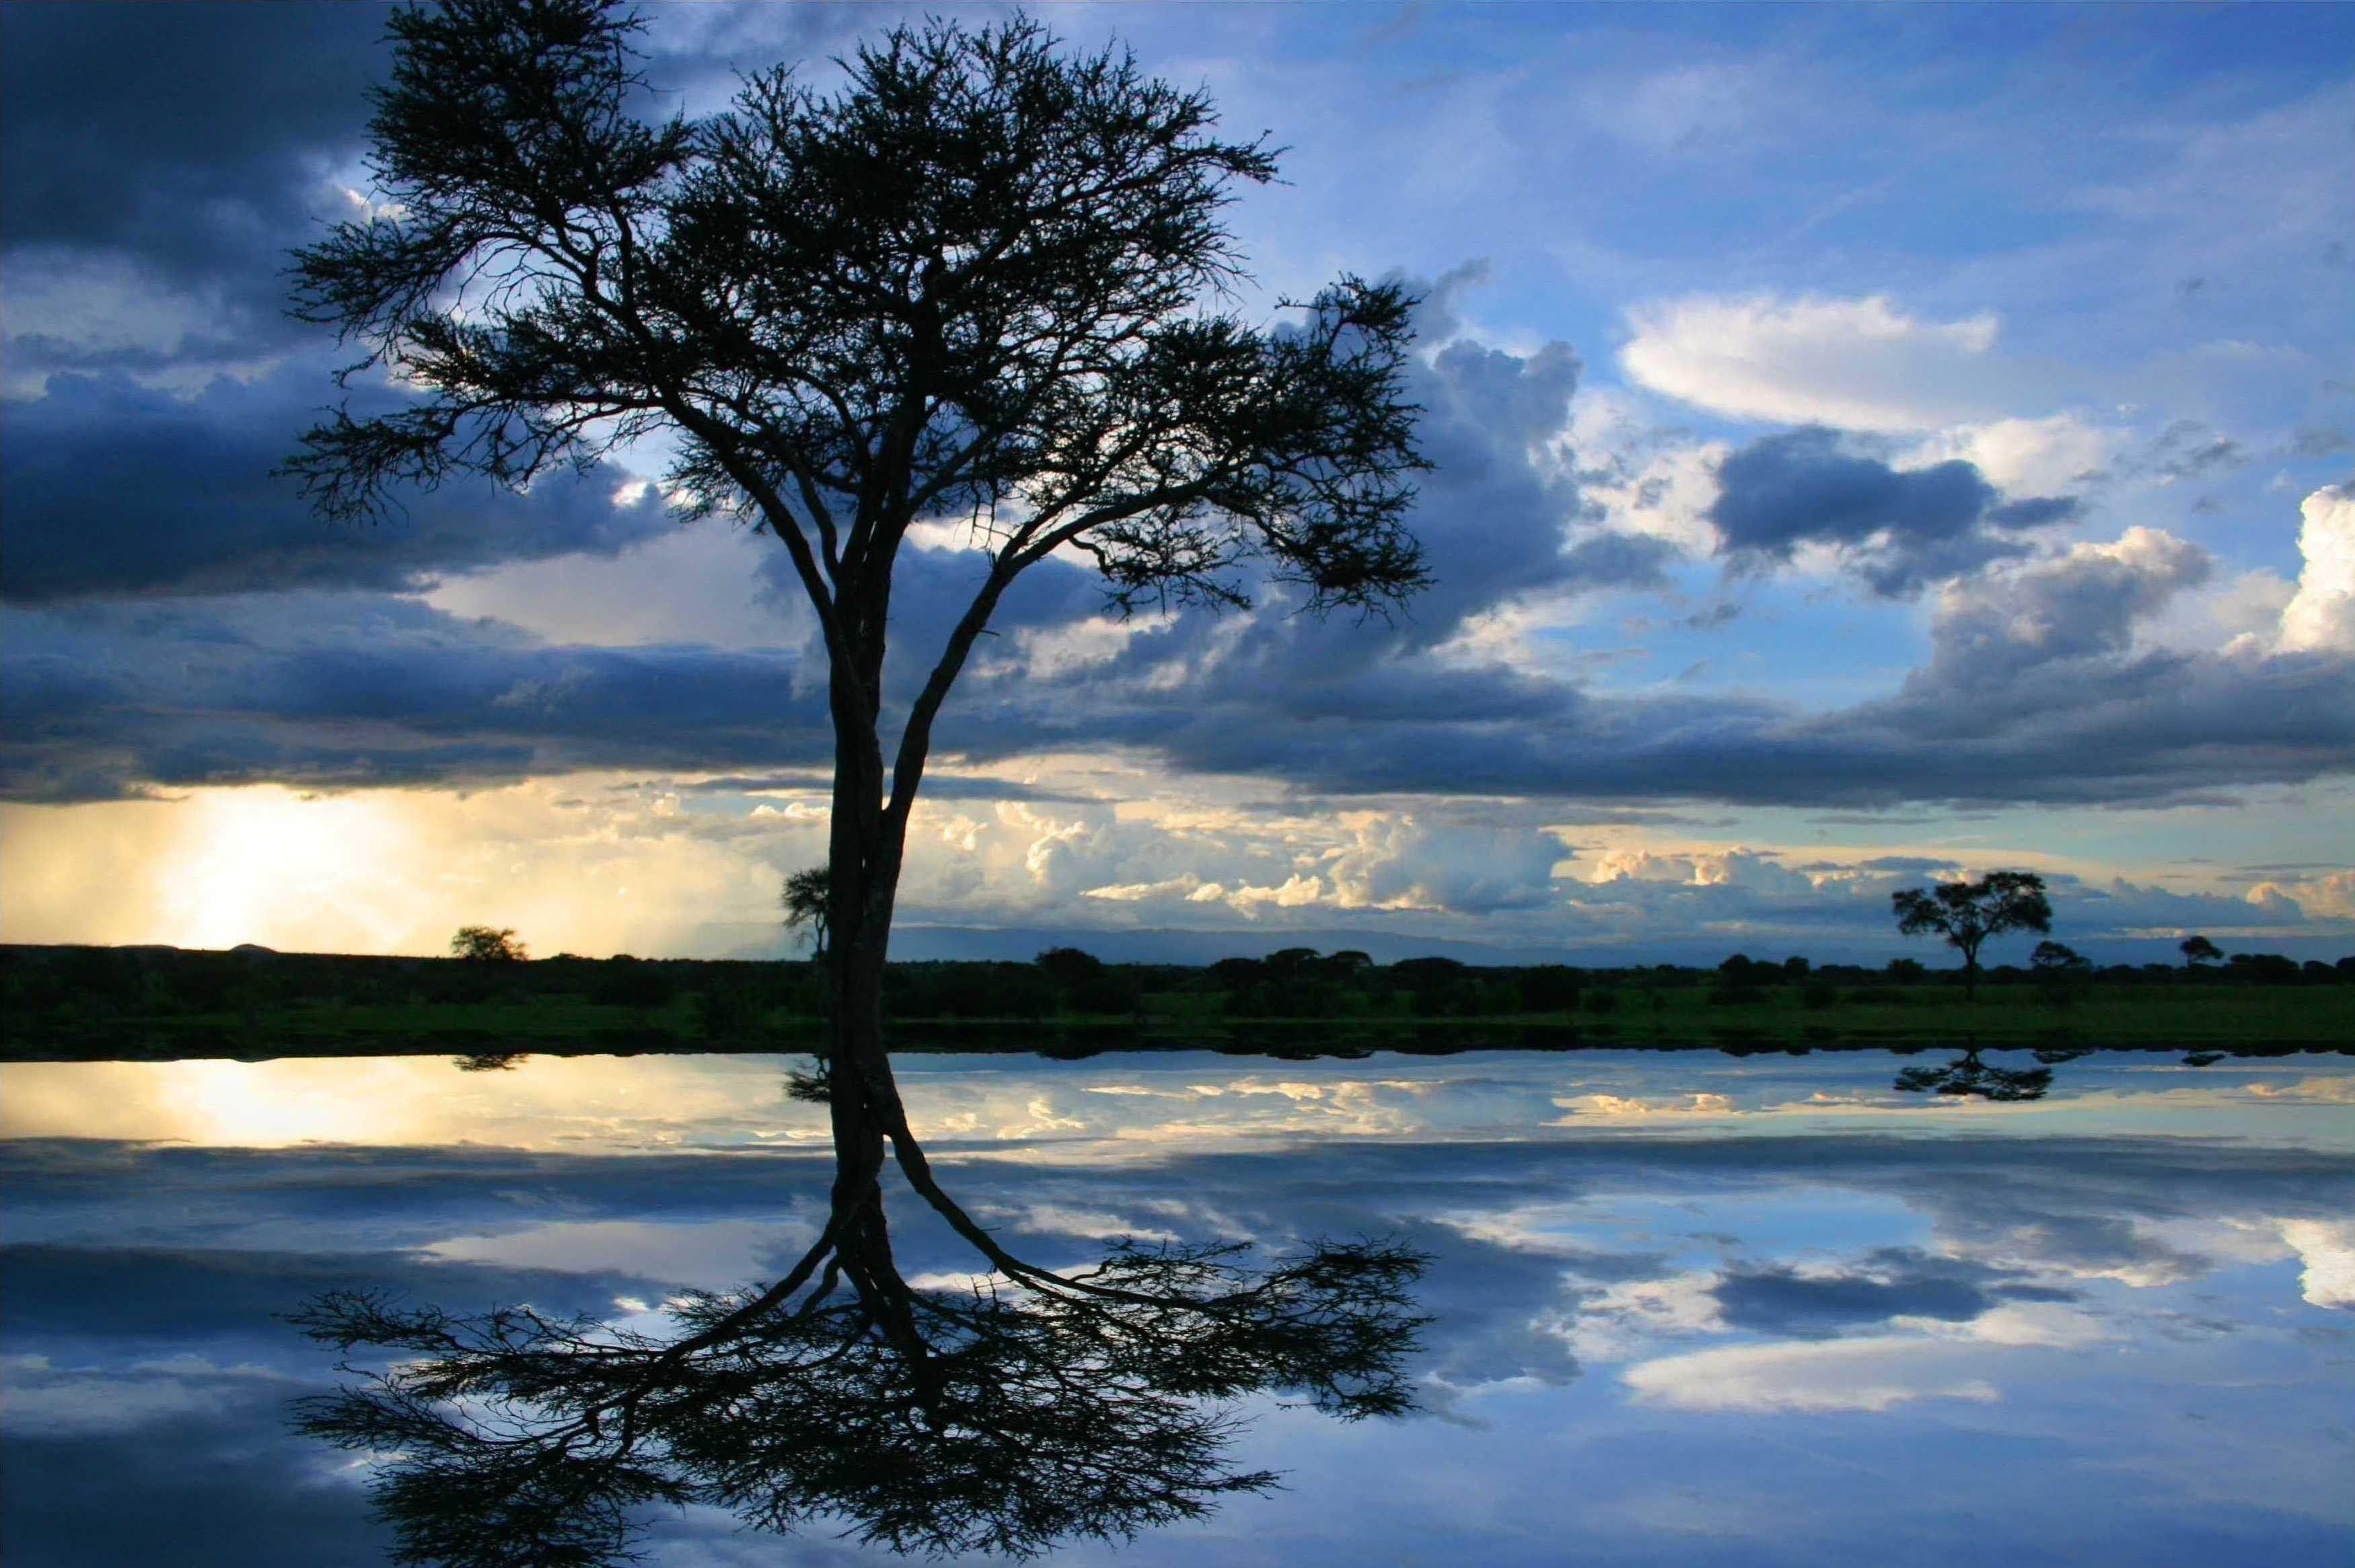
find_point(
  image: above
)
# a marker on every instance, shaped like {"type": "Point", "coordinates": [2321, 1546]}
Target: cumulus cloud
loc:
{"type": "Point", "coordinates": [2321, 616]}
{"type": "Point", "coordinates": [2327, 1247]}
{"type": "Point", "coordinates": [2045, 456]}
{"type": "Point", "coordinates": [1856, 364]}
{"type": "Point", "coordinates": [1897, 529]}
{"type": "Point", "coordinates": [2083, 604]}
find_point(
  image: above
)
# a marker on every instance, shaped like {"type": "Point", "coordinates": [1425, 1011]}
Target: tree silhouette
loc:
{"type": "Point", "coordinates": [804, 898]}
{"type": "Point", "coordinates": [985, 279]}
{"type": "Point", "coordinates": [2198, 951]}
{"type": "Point", "coordinates": [2060, 972]}
{"type": "Point", "coordinates": [1968, 912]}
{"type": "Point", "coordinates": [487, 944]}
{"type": "Point", "coordinates": [1967, 1076]}
{"type": "Point", "coordinates": [491, 1060]}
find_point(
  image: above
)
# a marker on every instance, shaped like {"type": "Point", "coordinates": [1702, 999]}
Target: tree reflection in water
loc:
{"type": "Point", "coordinates": [1026, 1408]}
{"type": "Point", "coordinates": [1969, 1076]}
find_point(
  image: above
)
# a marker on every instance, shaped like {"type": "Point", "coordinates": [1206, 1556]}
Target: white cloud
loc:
{"type": "Point", "coordinates": [1859, 364]}
{"type": "Point", "coordinates": [2328, 1249]}
{"type": "Point", "coordinates": [1137, 892]}
{"type": "Point", "coordinates": [1050, 652]}
{"type": "Point", "coordinates": [2322, 615]}
{"type": "Point", "coordinates": [1615, 1323]}
{"type": "Point", "coordinates": [1877, 1374]}
{"type": "Point", "coordinates": [2027, 457]}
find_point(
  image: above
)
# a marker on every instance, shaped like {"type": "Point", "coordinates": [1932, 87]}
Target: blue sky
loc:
{"type": "Point", "coordinates": [1871, 443]}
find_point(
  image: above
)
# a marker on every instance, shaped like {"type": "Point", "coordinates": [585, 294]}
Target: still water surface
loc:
{"type": "Point", "coordinates": [1685, 1308]}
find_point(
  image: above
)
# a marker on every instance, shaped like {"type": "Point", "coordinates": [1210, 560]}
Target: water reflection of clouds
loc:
{"type": "Point", "coordinates": [1773, 1322]}
{"type": "Point", "coordinates": [1124, 1108]}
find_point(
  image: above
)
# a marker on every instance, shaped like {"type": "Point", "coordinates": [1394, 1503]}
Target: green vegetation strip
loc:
{"type": "Point", "coordinates": [95, 1003]}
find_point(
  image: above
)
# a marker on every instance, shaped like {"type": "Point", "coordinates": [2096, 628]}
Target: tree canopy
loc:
{"type": "Point", "coordinates": [487, 944]}
{"type": "Point", "coordinates": [983, 278]}
{"type": "Point", "coordinates": [1968, 912]}
{"type": "Point", "coordinates": [804, 898]}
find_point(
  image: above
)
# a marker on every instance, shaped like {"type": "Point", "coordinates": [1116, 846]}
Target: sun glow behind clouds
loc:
{"type": "Point", "coordinates": [583, 863]}
{"type": "Point", "coordinates": [254, 865]}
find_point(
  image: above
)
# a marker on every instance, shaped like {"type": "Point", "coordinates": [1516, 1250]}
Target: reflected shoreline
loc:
{"type": "Point", "coordinates": [1303, 1041]}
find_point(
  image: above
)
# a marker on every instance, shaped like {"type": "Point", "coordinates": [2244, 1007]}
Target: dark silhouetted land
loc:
{"type": "Point", "coordinates": [118, 1003]}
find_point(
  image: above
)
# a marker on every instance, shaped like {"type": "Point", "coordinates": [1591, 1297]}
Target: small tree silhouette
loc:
{"type": "Point", "coordinates": [1970, 1078]}
{"type": "Point", "coordinates": [805, 896]}
{"type": "Point", "coordinates": [1968, 912]}
{"type": "Point", "coordinates": [487, 944]}
{"type": "Point", "coordinates": [2198, 949]}
{"type": "Point", "coordinates": [2061, 973]}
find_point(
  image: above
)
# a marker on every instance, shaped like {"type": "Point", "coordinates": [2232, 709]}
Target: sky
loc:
{"type": "Point", "coordinates": [1870, 445]}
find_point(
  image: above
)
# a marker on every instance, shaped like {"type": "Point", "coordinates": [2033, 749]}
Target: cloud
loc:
{"type": "Point", "coordinates": [343, 691]}
{"type": "Point", "coordinates": [2187, 450]}
{"type": "Point", "coordinates": [1875, 1374]}
{"type": "Point", "coordinates": [1898, 529]}
{"type": "Point", "coordinates": [2322, 614]}
{"type": "Point", "coordinates": [1871, 1372]}
{"type": "Point", "coordinates": [2327, 1247]}
{"type": "Point", "coordinates": [153, 235]}
{"type": "Point", "coordinates": [1889, 1283]}
{"type": "Point", "coordinates": [2036, 457]}
{"type": "Point", "coordinates": [2082, 605]}
{"type": "Point", "coordinates": [1855, 364]}
{"type": "Point", "coordinates": [111, 489]}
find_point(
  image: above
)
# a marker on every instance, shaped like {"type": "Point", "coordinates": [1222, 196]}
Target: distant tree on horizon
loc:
{"type": "Point", "coordinates": [805, 896]}
{"type": "Point", "coordinates": [1968, 912]}
{"type": "Point", "coordinates": [487, 944]}
{"type": "Point", "coordinates": [2198, 949]}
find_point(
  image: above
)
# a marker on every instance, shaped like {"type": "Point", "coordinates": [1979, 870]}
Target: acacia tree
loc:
{"type": "Point", "coordinates": [983, 279]}
{"type": "Point", "coordinates": [803, 898]}
{"type": "Point", "coordinates": [1968, 912]}
{"type": "Point", "coordinates": [487, 944]}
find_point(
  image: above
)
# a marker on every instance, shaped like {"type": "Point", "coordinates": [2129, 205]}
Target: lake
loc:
{"type": "Point", "coordinates": [1683, 1307]}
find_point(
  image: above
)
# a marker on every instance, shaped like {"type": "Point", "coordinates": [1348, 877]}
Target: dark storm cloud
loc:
{"type": "Point", "coordinates": [1889, 1282]}
{"type": "Point", "coordinates": [65, 1293]}
{"type": "Point", "coordinates": [190, 146]}
{"type": "Point", "coordinates": [1621, 560]}
{"type": "Point", "coordinates": [2035, 691]}
{"type": "Point", "coordinates": [111, 488]}
{"type": "Point", "coordinates": [345, 691]}
{"type": "Point", "coordinates": [352, 690]}
{"type": "Point", "coordinates": [1899, 530]}
{"type": "Point", "coordinates": [222, 1483]}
